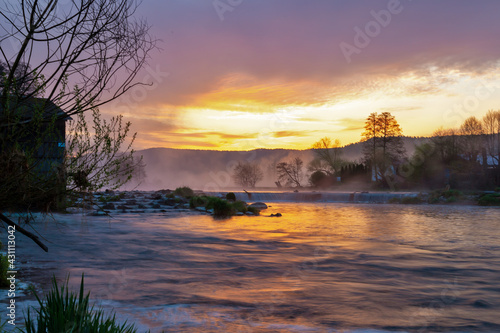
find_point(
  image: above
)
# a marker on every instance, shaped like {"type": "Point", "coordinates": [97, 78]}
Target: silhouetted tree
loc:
{"type": "Point", "coordinates": [327, 157]}
{"type": "Point", "coordinates": [290, 172]}
{"type": "Point", "coordinates": [94, 44]}
{"type": "Point", "coordinates": [247, 174]}
{"type": "Point", "coordinates": [471, 132]}
{"type": "Point", "coordinates": [383, 144]}
{"type": "Point", "coordinates": [491, 127]}
{"type": "Point", "coordinates": [446, 142]}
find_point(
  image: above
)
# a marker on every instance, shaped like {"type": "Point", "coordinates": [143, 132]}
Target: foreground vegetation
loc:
{"type": "Point", "coordinates": [64, 311]}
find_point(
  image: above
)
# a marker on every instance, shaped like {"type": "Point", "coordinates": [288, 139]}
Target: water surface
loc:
{"type": "Point", "coordinates": [322, 267]}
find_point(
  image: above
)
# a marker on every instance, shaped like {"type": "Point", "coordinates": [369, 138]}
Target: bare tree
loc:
{"type": "Point", "coordinates": [290, 172]}
{"type": "Point", "coordinates": [96, 45]}
{"type": "Point", "coordinates": [247, 174]}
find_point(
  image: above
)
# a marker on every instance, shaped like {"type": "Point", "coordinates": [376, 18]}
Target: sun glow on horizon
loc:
{"type": "Point", "coordinates": [243, 114]}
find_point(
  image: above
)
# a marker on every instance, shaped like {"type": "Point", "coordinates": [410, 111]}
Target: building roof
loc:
{"type": "Point", "coordinates": [27, 108]}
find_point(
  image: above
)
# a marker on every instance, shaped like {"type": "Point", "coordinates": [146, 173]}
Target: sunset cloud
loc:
{"type": "Point", "coordinates": [277, 57]}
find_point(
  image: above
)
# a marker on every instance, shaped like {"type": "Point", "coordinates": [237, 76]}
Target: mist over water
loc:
{"type": "Point", "coordinates": [322, 267]}
{"type": "Point", "coordinates": [208, 170]}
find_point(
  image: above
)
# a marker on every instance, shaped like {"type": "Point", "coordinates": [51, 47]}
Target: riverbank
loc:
{"type": "Point", "coordinates": [172, 202]}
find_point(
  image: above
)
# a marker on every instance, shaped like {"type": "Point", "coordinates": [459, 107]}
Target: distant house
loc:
{"type": "Point", "coordinates": [40, 127]}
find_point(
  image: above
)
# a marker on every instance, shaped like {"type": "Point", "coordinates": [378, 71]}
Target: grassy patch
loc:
{"type": "Point", "coordinates": [65, 311]}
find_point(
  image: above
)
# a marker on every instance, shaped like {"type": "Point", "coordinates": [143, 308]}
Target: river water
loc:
{"type": "Point", "coordinates": [321, 267]}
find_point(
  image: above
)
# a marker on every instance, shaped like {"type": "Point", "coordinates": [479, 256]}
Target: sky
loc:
{"type": "Point", "coordinates": [249, 74]}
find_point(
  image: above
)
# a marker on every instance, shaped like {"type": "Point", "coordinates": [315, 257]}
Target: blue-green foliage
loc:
{"type": "Point", "coordinates": [64, 311]}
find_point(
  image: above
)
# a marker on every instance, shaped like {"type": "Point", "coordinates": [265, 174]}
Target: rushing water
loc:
{"type": "Point", "coordinates": [321, 267]}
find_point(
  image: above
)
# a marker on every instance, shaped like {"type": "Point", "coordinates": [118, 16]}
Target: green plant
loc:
{"type": "Point", "coordinates": [184, 191]}
{"type": "Point", "coordinates": [231, 196]}
{"type": "Point", "coordinates": [222, 208]}
{"type": "Point", "coordinates": [198, 201]}
{"type": "Point", "coordinates": [211, 202]}
{"type": "Point", "coordinates": [492, 199]}
{"type": "Point", "coordinates": [394, 200]}
{"type": "Point", "coordinates": [240, 206]}
{"type": "Point", "coordinates": [253, 210]}
{"type": "Point", "coordinates": [64, 311]}
{"type": "Point", "coordinates": [497, 189]}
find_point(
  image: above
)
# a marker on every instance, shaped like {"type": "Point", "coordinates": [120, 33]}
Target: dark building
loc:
{"type": "Point", "coordinates": [35, 127]}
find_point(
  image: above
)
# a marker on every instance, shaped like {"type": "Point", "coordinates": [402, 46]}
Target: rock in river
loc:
{"type": "Point", "coordinates": [259, 205]}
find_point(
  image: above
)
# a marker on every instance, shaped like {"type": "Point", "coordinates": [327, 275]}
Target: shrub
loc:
{"type": "Point", "coordinates": [222, 208]}
{"type": "Point", "coordinates": [197, 201]}
{"type": "Point", "coordinates": [492, 199]}
{"type": "Point", "coordinates": [240, 206]}
{"type": "Point", "coordinates": [497, 189]}
{"type": "Point", "coordinates": [184, 191]}
{"type": "Point", "coordinates": [394, 200]}
{"type": "Point", "coordinates": [211, 202]}
{"type": "Point", "coordinates": [230, 196]}
{"type": "Point", "coordinates": [64, 311]}
{"type": "Point", "coordinates": [253, 210]}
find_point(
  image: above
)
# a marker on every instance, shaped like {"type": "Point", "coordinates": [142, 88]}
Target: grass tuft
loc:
{"type": "Point", "coordinates": [64, 311]}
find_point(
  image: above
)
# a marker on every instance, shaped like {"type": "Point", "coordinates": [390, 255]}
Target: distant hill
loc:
{"type": "Point", "coordinates": [211, 170]}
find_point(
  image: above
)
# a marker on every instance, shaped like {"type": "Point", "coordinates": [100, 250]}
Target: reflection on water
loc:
{"type": "Point", "coordinates": [319, 268]}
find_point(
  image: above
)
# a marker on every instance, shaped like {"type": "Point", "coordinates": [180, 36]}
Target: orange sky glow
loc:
{"type": "Point", "coordinates": [283, 80]}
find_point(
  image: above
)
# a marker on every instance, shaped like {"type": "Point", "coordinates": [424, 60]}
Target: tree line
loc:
{"type": "Point", "coordinates": [466, 157]}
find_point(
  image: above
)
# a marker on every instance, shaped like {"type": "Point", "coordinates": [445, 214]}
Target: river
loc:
{"type": "Point", "coordinates": [321, 267]}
